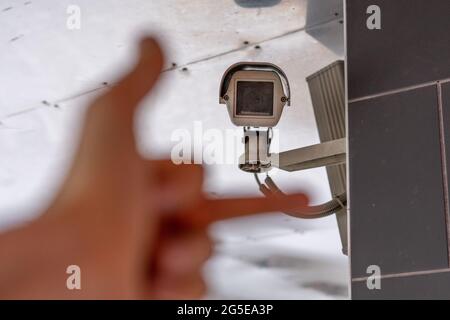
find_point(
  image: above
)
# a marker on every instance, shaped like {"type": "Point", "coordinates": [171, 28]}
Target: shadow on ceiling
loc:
{"type": "Point", "coordinates": [257, 3]}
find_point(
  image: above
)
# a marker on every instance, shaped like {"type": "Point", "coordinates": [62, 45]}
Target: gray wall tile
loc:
{"type": "Point", "coordinates": [412, 46]}
{"type": "Point", "coordinates": [396, 184]}
{"type": "Point", "coordinates": [428, 286]}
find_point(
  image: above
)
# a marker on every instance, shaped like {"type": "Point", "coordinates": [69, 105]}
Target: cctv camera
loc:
{"type": "Point", "coordinates": [255, 94]}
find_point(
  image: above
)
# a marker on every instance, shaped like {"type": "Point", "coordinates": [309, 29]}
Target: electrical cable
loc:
{"type": "Point", "coordinates": [270, 189]}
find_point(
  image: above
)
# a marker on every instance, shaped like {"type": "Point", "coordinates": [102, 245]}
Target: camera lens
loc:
{"type": "Point", "coordinates": [254, 98]}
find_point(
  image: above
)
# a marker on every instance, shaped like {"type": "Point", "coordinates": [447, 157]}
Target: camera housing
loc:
{"type": "Point", "coordinates": [255, 93]}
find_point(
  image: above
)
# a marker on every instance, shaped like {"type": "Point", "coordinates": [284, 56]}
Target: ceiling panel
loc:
{"type": "Point", "coordinates": [65, 62]}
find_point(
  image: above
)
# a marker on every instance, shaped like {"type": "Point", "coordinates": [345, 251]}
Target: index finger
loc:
{"type": "Point", "coordinates": [214, 210]}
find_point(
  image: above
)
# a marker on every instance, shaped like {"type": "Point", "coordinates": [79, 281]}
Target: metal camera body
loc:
{"type": "Point", "coordinates": [255, 94]}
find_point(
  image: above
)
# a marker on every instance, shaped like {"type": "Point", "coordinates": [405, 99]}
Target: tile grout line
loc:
{"type": "Point", "coordinates": [400, 90]}
{"type": "Point", "coordinates": [224, 53]}
{"type": "Point", "coordinates": [31, 109]}
{"type": "Point", "coordinates": [444, 165]}
{"type": "Point", "coordinates": [404, 274]}
{"type": "Point", "coordinates": [84, 93]}
{"type": "Point", "coordinates": [285, 34]}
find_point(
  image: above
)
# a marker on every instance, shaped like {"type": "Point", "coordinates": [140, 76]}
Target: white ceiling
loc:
{"type": "Point", "coordinates": [41, 60]}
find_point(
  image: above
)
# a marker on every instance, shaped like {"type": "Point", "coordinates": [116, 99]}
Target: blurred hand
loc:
{"type": "Point", "coordinates": [137, 228]}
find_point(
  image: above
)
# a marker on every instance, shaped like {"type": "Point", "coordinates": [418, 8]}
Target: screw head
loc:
{"type": "Point", "coordinates": [226, 97]}
{"type": "Point", "coordinates": [283, 99]}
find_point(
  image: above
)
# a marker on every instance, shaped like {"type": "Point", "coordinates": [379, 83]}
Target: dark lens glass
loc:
{"type": "Point", "coordinates": [254, 98]}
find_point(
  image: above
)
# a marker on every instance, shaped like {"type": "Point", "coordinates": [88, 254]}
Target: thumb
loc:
{"type": "Point", "coordinates": [141, 79]}
{"type": "Point", "coordinates": [107, 145]}
{"type": "Point", "coordinates": [109, 126]}
{"type": "Point", "coordinates": [120, 102]}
